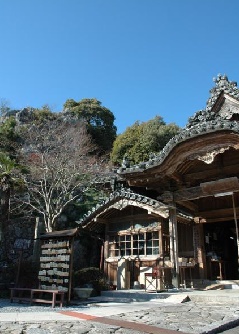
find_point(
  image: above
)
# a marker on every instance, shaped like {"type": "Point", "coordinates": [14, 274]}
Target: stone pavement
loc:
{"type": "Point", "coordinates": [185, 312]}
{"type": "Point", "coordinates": [234, 330]}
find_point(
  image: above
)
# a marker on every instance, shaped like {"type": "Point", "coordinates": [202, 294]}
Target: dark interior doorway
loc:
{"type": "Point", "coordinates": [221, 250]}
{"type": "Point", "coordinates": [134, 267]}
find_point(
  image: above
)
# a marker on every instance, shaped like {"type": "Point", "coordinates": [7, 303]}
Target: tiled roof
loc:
{"type": "Point", "coordinates": [202, 122]}
{"type": "Point", "coordinates": [60, 234]}
{"type": "Point", "coordinates": [118, 195]}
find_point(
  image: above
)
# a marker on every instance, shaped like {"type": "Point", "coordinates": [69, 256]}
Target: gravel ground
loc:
{"type": "Point", "coordinates": [6, 306]}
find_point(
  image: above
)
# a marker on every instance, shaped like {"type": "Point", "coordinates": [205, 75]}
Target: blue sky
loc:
{"type": "Point", "coordinates": [140, 58]}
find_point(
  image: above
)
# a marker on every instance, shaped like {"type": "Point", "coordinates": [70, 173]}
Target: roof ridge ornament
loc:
{"type": "Point", "coordinates": [219, 115]}
{"type": "Point", "coordinates": [222, 84]}
{"type": "Point", "coordinates": [222, 81]}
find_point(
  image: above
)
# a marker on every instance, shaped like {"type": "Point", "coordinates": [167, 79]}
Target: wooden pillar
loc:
{"type": "Point", "coordinates": [71, 244]}
{"type": "Point", "coordinates": [39, 228]}
{"type": "Point", "coordinates": [123, 274]}
{"type": "Point", "coordinates": [106, 250]}
{"type": "Point", "coordinates": [199, 248]}
{"type": "Point", "coordinates": [173, 232]}
{"type": "Point", "coordinates": [160, 239]}
{"type": "Point", "coordinates": [236, 227]}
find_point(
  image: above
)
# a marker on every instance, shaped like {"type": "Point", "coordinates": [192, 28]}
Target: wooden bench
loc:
{"type": "Point", "coordinates": [31, 294]}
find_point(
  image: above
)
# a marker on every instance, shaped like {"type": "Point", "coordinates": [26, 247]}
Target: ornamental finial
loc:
{"type": "Point", "coordinates": [221, 80]}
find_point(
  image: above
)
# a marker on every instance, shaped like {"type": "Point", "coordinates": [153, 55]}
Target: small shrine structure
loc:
{"type": "Point", "coordinates": [56, 259]}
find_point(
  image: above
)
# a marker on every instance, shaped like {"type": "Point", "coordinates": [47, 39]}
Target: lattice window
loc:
{"type": "Point", "coordinates": [144, 243]}
{"type": "Point", "coordinates": [138, 244]}
{"type": "Point", "coordinates": [152, 243]}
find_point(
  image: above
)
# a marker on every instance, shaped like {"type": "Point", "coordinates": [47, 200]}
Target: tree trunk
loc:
{"type": "Point", "coordinates": [4, 200]}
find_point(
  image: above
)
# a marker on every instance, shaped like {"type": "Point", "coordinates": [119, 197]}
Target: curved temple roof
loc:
{"type": "Point", "coordinates": [219, 115]}
{"type": "Point", "coordinates": [121, 199]}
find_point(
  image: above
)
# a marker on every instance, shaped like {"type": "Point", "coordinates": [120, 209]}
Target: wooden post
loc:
{"type": "Point", "coordinates": [102, 255]}
{"type": "Point", "coordinates": [71, 267]}
{"type": "Point", "coordinates": [106, 250]}
{"type": "Point", "coordinates": [236, 226]}
{"type": "Point", "coordinates": [200, 249]}
{"type": "Point", "coordinates": [37, 243]}
{"type": "Point", "coordinates": [160, 239]}
{"type": "Point", "coordinates": [173, 232]}
{"type": "Point", "coordinates": [19, 267]}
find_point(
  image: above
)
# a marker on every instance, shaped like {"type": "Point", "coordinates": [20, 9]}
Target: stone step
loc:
{"type": "Point", "coordinates": [134, 295]}
{"type": "Point", "coordinates": [230, 284]}
{"type": "Point", "coordinates": [179, 296]}
{"type": "Point", "coordinates": [176, 298]}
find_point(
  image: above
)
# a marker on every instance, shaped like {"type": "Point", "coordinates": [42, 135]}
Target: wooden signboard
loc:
{"type": "Point", "coordinates": [56, 261]}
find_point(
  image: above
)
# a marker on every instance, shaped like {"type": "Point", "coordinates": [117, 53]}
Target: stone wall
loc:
{"type": "Point", "coordinates": [18, 235]}
{"type": "Point", "coordinates": [20, 253]}
{"type": "Point", "coordinates": [16, 248]}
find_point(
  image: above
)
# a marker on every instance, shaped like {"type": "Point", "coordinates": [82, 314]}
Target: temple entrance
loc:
{"type": "Point", "coordinates": [221, 250]}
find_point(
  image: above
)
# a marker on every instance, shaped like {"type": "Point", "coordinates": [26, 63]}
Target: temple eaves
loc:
{"type": "Point", "coordinates": [218, 115]}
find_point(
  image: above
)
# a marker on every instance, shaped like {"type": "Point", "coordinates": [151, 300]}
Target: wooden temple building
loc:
{"type": "Point", "coordinates": [176, 219]}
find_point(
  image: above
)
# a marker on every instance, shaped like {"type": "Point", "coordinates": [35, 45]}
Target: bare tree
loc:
{"type": "Point", "coordinates": [58, 155]}
{"type": "Point", "coordinates": [4, 106]}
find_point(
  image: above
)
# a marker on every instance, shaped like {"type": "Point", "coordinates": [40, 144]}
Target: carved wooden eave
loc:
{"type": "Point", "coordinates": [209, 156]}
{"type": "Point", "coordinates": [160, 209]}
{"type": "Point", "coordinates": [119, 200]}
{"type": "Point", "coordinates": [204, 147]}
{"type": "Point", "coordinates": [209, 132]}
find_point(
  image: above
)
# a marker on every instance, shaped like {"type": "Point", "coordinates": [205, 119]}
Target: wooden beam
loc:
{"type": "Point", "coordinates": [177, 177]}
{"type": "Point", "coordinates": [189, 205]}
{"type": "Point", "coordinates": [186, 194]}
{"type": "Point", "coordinates": [204, 190]}
{"type": "Point", "coordinates": [219, 213]}
{"type": "Point", "coordinates": [217, 220]}
{"type": "Point", "coordinates": [229, 184]}
{"type": "Point", "coordinates": [214, 173]}
{"type": "Point", "coordinates": [100, 220]}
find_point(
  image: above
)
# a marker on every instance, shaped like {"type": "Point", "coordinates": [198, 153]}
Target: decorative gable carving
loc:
{"type": "Point", "coordinates": [221, 114]}
{"type": "Point", "coordinates": [123, 198]}
{"type": "Point", "coordinates": [222, 104]}
{"type": "Point", "coordinates": [229, 109]}
{"type": "Point", "coordinates": [209, 157]}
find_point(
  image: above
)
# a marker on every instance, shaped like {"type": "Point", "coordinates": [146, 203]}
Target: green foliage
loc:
{"type": "Point", "coordinates": [10, 173]}
{"type": "Point", "coordinates": [91, 275]}
{"type": "Point", "coordinates": [88, 200]}
{"type": "Point", "coordinates": [10, 179]}
{"type": "Point", "coordinates": [8, 127]}
{"type": "Point", "coordinates": [7, 165]}
{"type": "Point", "coordinates": [44, 113]}
{"type": "Point", "coordinates": [142, 139]}
{"type": "Point", "coordinates": [99, 120]}
{"type": "Point", "coordinates": [8, 135]}
{"type": "Point", "coordinates": [4, 107]}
